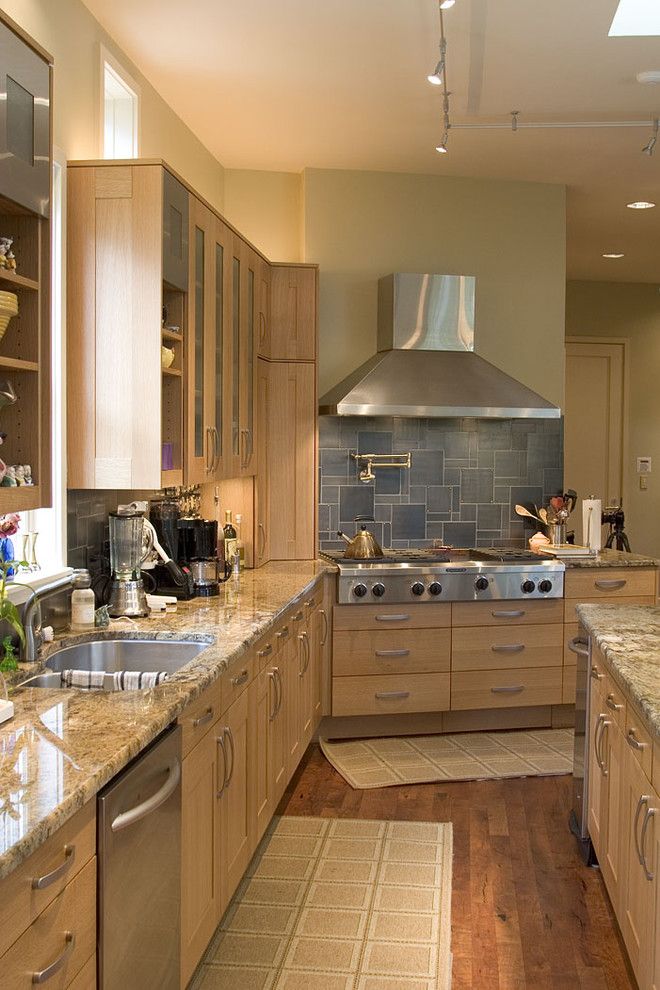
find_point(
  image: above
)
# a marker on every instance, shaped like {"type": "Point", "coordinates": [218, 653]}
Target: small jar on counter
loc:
{"type": "Point", "coordinates": [82, 601]}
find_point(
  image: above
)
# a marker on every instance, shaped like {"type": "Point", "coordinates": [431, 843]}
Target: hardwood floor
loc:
{"type": "Point", "coordinates": [526, 912]}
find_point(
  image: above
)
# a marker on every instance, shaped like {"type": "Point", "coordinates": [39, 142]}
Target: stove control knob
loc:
{"type": "Point", "coordinates": [528, 587]}
{"type": "Point", "coordinates": [481, 583]}
{"type": "Point", "coordinates": [360, 590]}
{"type": "Point", "coordinates": [435, 588]}
{"type": "Point", "coordinates": [417, 588]}
{"type": "Point", "coordinates": [545, 586]}
{"type": "Point", "coordinates": [378, 590]}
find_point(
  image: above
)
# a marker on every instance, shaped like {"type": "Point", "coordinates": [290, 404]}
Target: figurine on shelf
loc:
{"type": "Point", "coordinates": [19, 474]}
{"type": "Point", "coordinates": [9, 480]}
{"type": "Point", "coordinates": [7, 259]}
{"type": "Point", "coordinates": [27, 472]}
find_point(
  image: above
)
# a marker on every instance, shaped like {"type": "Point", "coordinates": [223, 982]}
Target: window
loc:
{"type": "Point", "coordinates": [120, 98]}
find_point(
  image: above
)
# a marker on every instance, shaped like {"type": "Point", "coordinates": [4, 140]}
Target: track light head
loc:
{"type": "Point", "coordinates": [653, 140]}
{"type": "Point", "coordinates": [435, 78]}
{"type": "Point", "coordinates": [446, 4]}
{"type": "Point", "coordinates": [442, 148]}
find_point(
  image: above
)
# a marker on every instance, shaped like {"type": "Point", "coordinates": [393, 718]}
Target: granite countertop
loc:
{"type": "Point", "coordinates": [611, 558]}
{"type": "Point", "coordinates": [629, 637]}
{"type": "Point", "coordinates": [63, 746]}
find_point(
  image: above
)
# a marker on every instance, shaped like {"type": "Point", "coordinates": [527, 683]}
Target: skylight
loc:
{"type": "Point", "coordinates": [635, 18]}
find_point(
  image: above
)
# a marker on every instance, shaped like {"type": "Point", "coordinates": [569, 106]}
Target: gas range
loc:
{"type": "Point", "coordinates": [450, 575]}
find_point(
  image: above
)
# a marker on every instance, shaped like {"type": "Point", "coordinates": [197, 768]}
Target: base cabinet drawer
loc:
{"type": "Point", "coordinates": [525, 687]}
{"type": "Point", "coordinates": [390, 694]}
{"type": "Point", "coordinates": [503, 613]}
{"type": "Point", "coordinates": [61, 940]}
{"type": "Point", "coordinates": [397, 651]}
{"type": "Point", "coordinates": [502, 648]}
{"type": "Point", "coordinates": [423, 615]}
{"type": "Point", "coordinates": [609, 582]}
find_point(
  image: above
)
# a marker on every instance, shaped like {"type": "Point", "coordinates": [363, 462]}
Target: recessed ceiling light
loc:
{"type": "Point", "coordinates": [641, 204]}
{"type": "Point", "coordinates": [613, 255]}
{"type": "Point", "coordinates": [636, 18]}
{"type": "Point", "coordinates": [649, 77]}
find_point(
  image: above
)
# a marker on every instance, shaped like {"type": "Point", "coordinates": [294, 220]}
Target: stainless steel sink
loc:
{"type": "Point", "coordinates": [111, 655]}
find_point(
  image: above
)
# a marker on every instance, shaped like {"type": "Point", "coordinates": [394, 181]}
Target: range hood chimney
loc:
{"type": "Point", "coordinates": [426, 365]}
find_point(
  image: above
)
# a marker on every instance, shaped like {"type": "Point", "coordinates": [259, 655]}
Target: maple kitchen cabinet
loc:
{"type": "Point", "coordinates": [290, 334]}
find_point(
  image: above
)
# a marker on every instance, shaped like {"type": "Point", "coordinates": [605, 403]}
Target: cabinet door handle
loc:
{"type": "Point", "coordinates": [240, 679]}
{"type": "Point", "coordinates": [209, 454]}
{"type": "Point", "coordinates": [508, 689]}
{"type": "Point", "coordinates": [203, 719]}
{"type": "Point", "coordinates": [605, 729]}
{"type": "Point", "coordinates": [280, 690]}
{"type": "Point", "coordinates": [221, 787]}
{"type": "Point", "coordinates": [45, 974]}
{"type": "Point", "coordinates": [610, 585]}
{"type": "Point", "coordinates": [508, 648]}
{"type": "Point", "coordinates": [612, 704]}
{"type": "Point", "coordinates": [250, 447]}
{"type": "Point", "coordinates": [144, 808]}
{"type": "Point", "coordinates": [216, 450]}
{"type": "Point", "coordinates": [391, 694]}
{"type": "Point", "coordinates": [650, 813]}
{"type": "Point", "coordinates": [40, 883]}
{"type": "Point", "coordinates": [272, 680]}
{"type": "Point", "coordinates": [633, 742]}
{"type": "Point", "coordinates": [643, 800]}
{"type": "Point", "coordinates": [515, 613]}
{"type": "Point", "coordinates": [230, 739]}
{"type": "Point", "coordinates": [262, 533]}
{"type": "Point", "coordinates": [595, 673]}
{"type": "Point", "coordinates": [325, 626]}
{"type": "Point", "coordinates": [599, 726]}
{"type": "Point", "coordinates": [262, 328]}
{"type": "Point", "coordinates": [578, 646]}
{"type": "Point", "coordinates": [266, 652]}
{"type": "Point", "coordinates": [392, 618]}
{"type": "Point", "coordinates": [241, 448]}
{"type": "Point", "coordinates": [392, 653]}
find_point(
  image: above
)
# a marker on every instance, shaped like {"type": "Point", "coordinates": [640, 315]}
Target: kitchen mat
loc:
{"type": "Point", "coordinates": [368, 763]}
{"type": "Point", "coordinates": [336, 904]}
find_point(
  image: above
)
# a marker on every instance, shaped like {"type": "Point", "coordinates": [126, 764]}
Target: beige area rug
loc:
{"type": "Point", "coordinates": [329, 904]}
{"type": "Point", "coordinates": [368, 763]}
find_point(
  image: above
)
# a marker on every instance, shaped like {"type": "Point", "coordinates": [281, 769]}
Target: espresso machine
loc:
{"type": "Point", "coordinates": [127, 595]}
{"type": "Point", "coordinates": [198, 551]}
{"type": "Point", "coordinates": [164, 515]}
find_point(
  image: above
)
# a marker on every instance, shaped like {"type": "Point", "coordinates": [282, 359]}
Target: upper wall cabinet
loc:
{"type": "Point", "coordinates": [126, 330]}
{"type": "Point", "coordinates": [25, 206]}
{"type": "Point", "coordinates": [288, 333]}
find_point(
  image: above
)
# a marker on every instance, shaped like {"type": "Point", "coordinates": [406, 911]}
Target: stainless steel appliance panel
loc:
{"type": "Point", "coordinates": [139, 842]}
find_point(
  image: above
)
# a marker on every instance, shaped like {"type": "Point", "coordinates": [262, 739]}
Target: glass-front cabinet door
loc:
{"type": "Point", "coordinates": [238, 270]}
{"type": "Point", "coordinates": [244, 335]}
{"type": "Point", "coordinates": [201, 443]}
{"type": "Point", "coordinates": [221, 350]}
{"type": "Point", "coordinates": [249, 369]}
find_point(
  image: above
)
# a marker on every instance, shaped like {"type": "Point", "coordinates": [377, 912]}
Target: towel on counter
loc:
{"type": "Point", "coordinates": [86, 680]}
{"type": "Point", "coordinates": [133, 680]}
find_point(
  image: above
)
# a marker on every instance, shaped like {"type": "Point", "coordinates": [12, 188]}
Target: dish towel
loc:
{"type": "Point", "coordinates": [86, 680]}
{"type": "Point", "coordinates": [133, 680]}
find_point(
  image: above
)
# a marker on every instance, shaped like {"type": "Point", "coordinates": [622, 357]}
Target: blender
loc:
{"type": "Point", "coordinates": [127, 596]}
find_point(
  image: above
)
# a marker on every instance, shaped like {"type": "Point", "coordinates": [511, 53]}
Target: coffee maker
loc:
{"type": "Point", "coordinates": [127, 595]}
{"type": "Point", "coordinates": [164, 515]}
{"type": "Point", "coordinates": [198, 542]}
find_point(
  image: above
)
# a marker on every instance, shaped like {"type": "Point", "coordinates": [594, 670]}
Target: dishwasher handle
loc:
{"type": "Point", "coordinates": [146, 807]}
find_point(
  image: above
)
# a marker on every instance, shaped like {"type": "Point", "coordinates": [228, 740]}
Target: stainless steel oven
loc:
{"type": "Point", "coordinates": [24, 124]}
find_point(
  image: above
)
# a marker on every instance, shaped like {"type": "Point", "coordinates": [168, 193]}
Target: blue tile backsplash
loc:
{"type": "Point", "coordinates": [465, 478]}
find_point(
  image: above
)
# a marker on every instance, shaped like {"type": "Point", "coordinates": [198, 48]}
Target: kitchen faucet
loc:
{"type": "Point", "coordinates": [34, 639]}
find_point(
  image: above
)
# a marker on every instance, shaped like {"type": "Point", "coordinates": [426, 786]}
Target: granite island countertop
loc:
{"type": "Point", "coordinates": [611, 558]}
{"type": "Point", "coordinates": [63, 746]}
{"type": "Point", "coordinates": [629, 638]}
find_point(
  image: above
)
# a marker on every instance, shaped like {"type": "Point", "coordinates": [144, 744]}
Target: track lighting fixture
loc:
{"type": "Point", "coordinates": [653, 140]}
{"type": "Point", "coordinates": [442, 147]}
{"type": "Point", "coordinates": [439, 77]}
{"type": "Point", "coordinates": [446, 4]}
{"type": "Point", "coordinates": [436, 76]}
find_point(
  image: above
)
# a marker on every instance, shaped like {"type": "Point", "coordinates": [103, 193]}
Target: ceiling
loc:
{"type": "Point", "coordinates": [342, 84]}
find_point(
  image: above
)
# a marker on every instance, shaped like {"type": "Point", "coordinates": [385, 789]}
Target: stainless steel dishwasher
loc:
{"type": "Point", "coordinates": [139, 833]}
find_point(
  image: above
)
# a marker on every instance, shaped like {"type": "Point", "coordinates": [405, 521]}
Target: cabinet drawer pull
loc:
{"type": "Point", "coordinates": [579, 646]}
{"type": "Point", "coordinates": [311, 603]}
{"type": "Point", "coordinates": [325, 626]}
{"type": "Point", "coordinates": [508, 648]}
{"type": "Point", "coordinates": [611, 585]}
{"type": "Point", "coordinates": [392, 653]}
{"type": "Point", "coordinates": [39, 883]}
{"type": "Point", "coordinates": [612, 704]}
{"type": "Point", "coordinates": [643, 800]}
{"type": "Point", "coordinates": [220, 787]}
{"type": "Point", "coordinates": [650, 813]}
{"type": "Point", "coordinates": [262, 533]}
{"type": "Point", "coordinates": [596, 674]}
{"type": "Point", "coordinates": [241, 679]}
{"type": "Point", "coordinates": [203, 719]}
{"type": "Point", "coordinates": [391, 694]}
{"type": "Point", "coordinates": [508, 689]}
{"type": "Point", "coordinates": [633, 742]}
{"type": "Point", "coordinates": [392, 618]}
{"type": "Point", "coordinates": [266, 652]}
{"type": "Point", "coordinates": [45, 974]}
{"type": "Point", "coordinates": [298, 616]}
{"type": "Point", "coordinates": [515, 613]}
{"type": "Point", "coordinates": [281, 633]}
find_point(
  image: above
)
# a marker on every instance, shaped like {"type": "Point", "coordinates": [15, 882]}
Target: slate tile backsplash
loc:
{"type": "Point", "coordinates": [466, 476]}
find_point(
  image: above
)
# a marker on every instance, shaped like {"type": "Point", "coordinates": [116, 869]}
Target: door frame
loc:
{"type": "Point", "coordinates": [624, 343]}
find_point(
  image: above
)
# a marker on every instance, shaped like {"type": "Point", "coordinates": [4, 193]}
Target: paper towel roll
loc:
{"type": "Point", "coordinates": [591, 523]}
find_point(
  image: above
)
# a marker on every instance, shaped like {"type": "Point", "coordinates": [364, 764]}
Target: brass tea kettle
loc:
{"type": "Point", "coordinates": [363, 546]}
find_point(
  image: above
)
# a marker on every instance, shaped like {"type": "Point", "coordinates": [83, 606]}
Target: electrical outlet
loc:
{"type": "Point", "coordinates": [643, 465]}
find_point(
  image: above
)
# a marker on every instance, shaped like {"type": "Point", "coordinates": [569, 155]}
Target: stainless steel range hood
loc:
{"type": "Point", "coordinates": [426, 365]}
